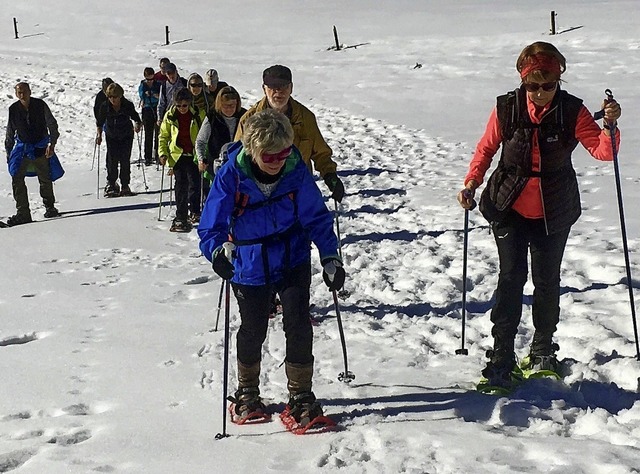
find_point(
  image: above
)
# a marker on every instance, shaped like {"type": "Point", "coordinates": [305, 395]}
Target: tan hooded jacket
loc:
{"type": "Point", "coordinates": [307, 137]}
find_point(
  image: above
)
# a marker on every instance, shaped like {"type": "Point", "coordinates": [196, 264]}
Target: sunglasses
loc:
{"type": "Point", "coordinates": [196, 84]}
{"type": "Point", "coordinates": [534, 86]}
{"type": "Point", "coordinates": [182, 106]}
{"type": "Point", "coordinates": [276, 157]}
{"type": "Point", "coordinates": [148, 78]}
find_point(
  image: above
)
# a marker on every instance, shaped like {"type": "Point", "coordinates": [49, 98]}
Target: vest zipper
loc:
{"type": "Point", "coordinates": [544, 211]}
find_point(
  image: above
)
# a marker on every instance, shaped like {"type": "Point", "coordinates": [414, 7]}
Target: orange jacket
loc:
{"type": "Point", "coordinates": [529, 203]}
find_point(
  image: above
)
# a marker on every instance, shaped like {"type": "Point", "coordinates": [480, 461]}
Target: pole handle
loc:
{"type": "Point", "coordinates": [468, 195]}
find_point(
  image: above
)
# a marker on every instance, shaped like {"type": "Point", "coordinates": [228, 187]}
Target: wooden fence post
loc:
{"type": "Point", "coordinates": [166, 34]}
{"type": "Point", "coordinates": [335, 36]}
{"type": "Point", "coordinates": [553, 22]}
{"type": "Point", "coordinates": [15, 27]}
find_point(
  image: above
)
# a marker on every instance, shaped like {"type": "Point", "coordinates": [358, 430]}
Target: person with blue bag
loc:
{"type": "Point", "coordinates": [32, 134]}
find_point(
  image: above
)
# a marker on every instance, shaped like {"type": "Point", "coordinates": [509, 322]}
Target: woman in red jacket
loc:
{"type": "Point", "coordinates": [532, 198]}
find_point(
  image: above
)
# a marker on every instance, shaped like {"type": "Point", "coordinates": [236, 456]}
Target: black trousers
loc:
{"type": "Point", "coordinates": [187, 183]}
{"type": "Point", "coordinates": [151, 129]}
{"type": "Point", "coordinates": [515, 236]}
{"type": "Point", "coordinates": [254, 303]}
{"type": "Point", "coordinates": [119, 155]}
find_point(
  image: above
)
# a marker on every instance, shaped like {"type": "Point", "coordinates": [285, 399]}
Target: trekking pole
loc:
{"type": "Point", "coordinates": [465, 246]}
{"type": "Point", "coordinates": [161, 189]}
{"type": "Point", "coordinates": [98, 174]}
{"type": "Point", "coordinates": [170, 192]}
{"type": "Point", "coordinates": [623, 228]}
{"type": "Point", "coordinates": [345, 376]}
{"type": "Point", "coordinates": [93, 162]}
{"type": "Point", "coordinates": [219, 305]}
{"type": "Point", "coordinates": [201, 190]}
{"type": "Point", "coordinates": [343, 293]}
{"type": "Point", "coordinates": [228, 250]}
{"type": "Point", "coordinates": [144, 176]}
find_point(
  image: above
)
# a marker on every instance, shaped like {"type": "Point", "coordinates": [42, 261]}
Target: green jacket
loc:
{"type": "Point", "coordinates": [306, 136]}
{"type": "Point", "coordinates": [168, 138]}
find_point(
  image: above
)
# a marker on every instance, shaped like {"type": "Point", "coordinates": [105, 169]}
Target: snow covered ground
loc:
{"type": "Point", "coordinates": [108, 361]}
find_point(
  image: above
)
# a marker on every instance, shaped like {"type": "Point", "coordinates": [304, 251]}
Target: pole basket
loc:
{"type": "Point", "coordinates": [346, 377]}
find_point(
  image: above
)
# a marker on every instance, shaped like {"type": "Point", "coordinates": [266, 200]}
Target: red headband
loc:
{"type": "Point", "coordinates": [540, 62]}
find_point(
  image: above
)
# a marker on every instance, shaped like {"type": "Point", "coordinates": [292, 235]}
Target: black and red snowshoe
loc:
{"type": "Point", "coordinates": [247, 407]}
{"type": "Point", "coordinates": [304, 415]}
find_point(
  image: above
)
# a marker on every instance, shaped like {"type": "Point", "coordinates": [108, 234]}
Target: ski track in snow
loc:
{"type": "Point", "coordinates": [398, 222]}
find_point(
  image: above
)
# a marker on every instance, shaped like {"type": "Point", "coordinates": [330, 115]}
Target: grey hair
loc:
{"type": "Point", "coordinates": [267, 131]}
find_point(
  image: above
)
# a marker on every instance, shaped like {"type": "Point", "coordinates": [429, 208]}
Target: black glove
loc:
{"type": "Point", "coordinates": [335, 186]}
{"type": "Point", "coordinates": [222, 266]}
{"type": "Point", "coordinates": [334, 281]}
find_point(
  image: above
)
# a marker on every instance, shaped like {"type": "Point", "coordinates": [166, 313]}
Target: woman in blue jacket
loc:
{"type": "Point", "coordinates": [265, 201]}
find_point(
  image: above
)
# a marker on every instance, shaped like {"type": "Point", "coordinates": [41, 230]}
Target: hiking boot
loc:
{"type": "Point", "coordinates": [304, 407]}
{"type": "Point", "coordinates": [19, 219]}
{"type": "Point", "coordinates": [126, 191]}
{"type": "Point", "coordinates": [542, 354]}
{"type": "Point", "coordinates": [51, 212]}
{"type": "Point", "coordinates": [302, 404]}
{"type": "Point", "coordinates": [498, 370]}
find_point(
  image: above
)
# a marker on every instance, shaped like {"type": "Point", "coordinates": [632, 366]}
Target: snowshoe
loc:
{"type": "Point", "coordinates": [541, 361]}
{"type": "Point", "coordinates": [501, 375]}
{"type": "Point", "coordinates": [126, 191]}
{"type": "Point", "coordinates": [51, 212]}
{"type": "Point", "coordinates": [19, 219]}
{"type": "Point", "coordinates": [246, 407]}
{"type": "Point", "coordinates": [4, 225]}
{"type": "Point", "coordinates": [111, 190]}
{"type": "Point", "coordinates": [303, 415]}
{"type": "Point", "coordinates": [180, 225]}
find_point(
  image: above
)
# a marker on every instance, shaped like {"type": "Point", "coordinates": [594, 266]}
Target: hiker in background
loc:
{"type": "Point", "coordinates": [149, 92]}
{"type": "Point", "coordinates": [161, 76]}
{"type": "Point", "coordinates": [218, 128]}
{"type": "Point", "coordinates": [214, 84]}
{"type": "Point", "coordinates": [176, 148]}
{"type": "Point", "coordinates": [101, 97]}
{"type": "Point", "coordinates": [284, 213]}
{"type": "Point", "coordinates": [277, 87]}
{"type": "Point", "coordinates": [532, 199]}
{"type": "Point", "coordinates": [169, 88]}
{"type": "Point", "coordinates": [115, 117]}
{"type": "Point", "coordinates": [32, 134]}
{"type": "Point", "coordinates": [200, 97]}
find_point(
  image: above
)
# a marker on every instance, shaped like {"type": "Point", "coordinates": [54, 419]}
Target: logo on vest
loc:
{"type": "Point", "coordinates": [552, 139]}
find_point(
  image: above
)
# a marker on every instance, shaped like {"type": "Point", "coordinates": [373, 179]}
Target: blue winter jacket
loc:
{"type": "Point", "coordinates": [273, 233]}
{"type": "Point", "coordinates": [149, 94]}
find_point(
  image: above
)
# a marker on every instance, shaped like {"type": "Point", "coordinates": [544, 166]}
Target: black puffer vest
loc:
{"type": "Point", "coordinates": [556, 139]}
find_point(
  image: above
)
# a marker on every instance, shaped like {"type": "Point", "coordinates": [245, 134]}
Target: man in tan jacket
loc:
{"type": "Point", "coordinates": [277, 86]}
